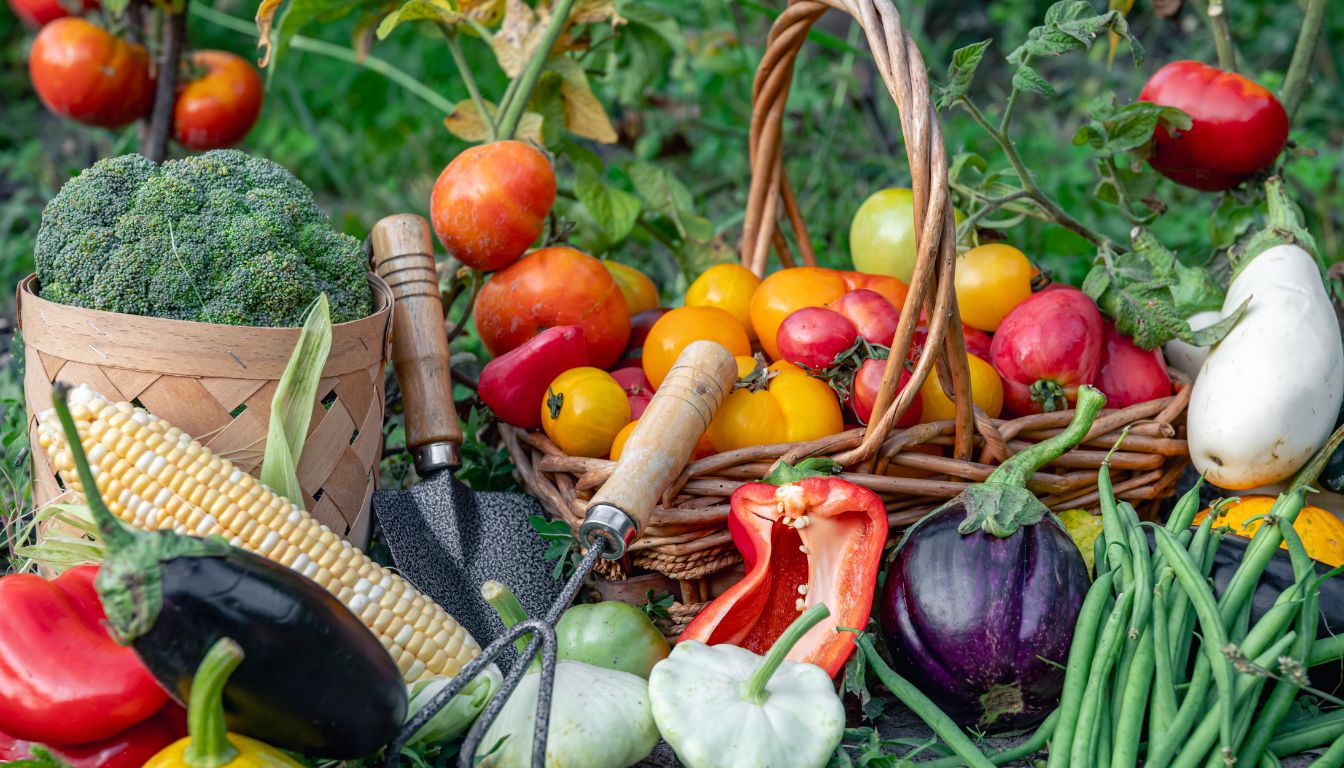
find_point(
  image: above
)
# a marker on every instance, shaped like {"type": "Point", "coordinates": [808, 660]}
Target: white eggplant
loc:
{"type": "Point", "coordinates": [1184, 356]}
{"type": "Point", "coordinates": [1268, 394]}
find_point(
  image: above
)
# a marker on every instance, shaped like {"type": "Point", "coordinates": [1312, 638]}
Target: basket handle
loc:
{"type": "Point", "coordinates": [898, 62]}
{"type": "Point", "coordinates": [403, 255]}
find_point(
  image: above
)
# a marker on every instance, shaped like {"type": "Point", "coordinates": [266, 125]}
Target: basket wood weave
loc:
{"type": "Point", "coordinates": [216, 382]}
{"type": "Point", "coordinates": [687, 539]}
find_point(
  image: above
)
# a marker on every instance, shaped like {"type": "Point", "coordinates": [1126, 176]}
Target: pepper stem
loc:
{"type": "Point", "coordinates": [753, 690]}
{"type": "Point", "coordinates": [511, 612]}
{"type": "Point", "coordinates": [1017, 470]}
{"type": "Point", "coordinates": [210, 747]}
{"type": "Point", "coordinates": [109, 527]}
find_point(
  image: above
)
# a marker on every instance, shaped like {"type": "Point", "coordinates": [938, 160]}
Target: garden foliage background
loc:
{"type": "Point", "coordinates": [677, 82]}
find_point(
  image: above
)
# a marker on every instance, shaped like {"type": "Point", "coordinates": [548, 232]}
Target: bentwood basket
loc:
{"type": "Point", "coordinates": [687, 544]}
{"type": "Point", "coordinates": [216, 382]}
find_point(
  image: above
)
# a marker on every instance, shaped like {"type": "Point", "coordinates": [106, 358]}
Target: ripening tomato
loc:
{"type": "Point", "coordinates": [791, 407]}
{"type": "Point", "coordinates": [218, 108]}
{"type": "Point", "coordinates": [585, 409]}
{"type": "Point", "coordinates": [37, 13]}
{"type": "Point", "coordinates": [787, 291]}
{"type": "Point", "coordinates": [891, 289]}
{"type": "Point", "coordinates": [986, 392]}
{"type": "Point", "coordinates": [728, 287]}
{"type": "Point", "coordinates": [814, 336]}
{"type": "Point", "coordinates": [641, 295]}
{"type": "Point", "coordinates": [679, 327]}
{"type": "Point", "coordinates": [554, 286]}
{"type": "Point", "coordinates": [882, 234]}
{"type": "Point", "coordinates": [1129, 375]}
{"type": "Point", "coordinates": [863, 393]}
{"type": "Point", "coordinates": [83, 72]}
{"type": "Point", "coordinates": [872, 315]}
{"type": "Point", "coordinates": [991, 280]}
{"type": "Point", "coordinates": [491, 202]}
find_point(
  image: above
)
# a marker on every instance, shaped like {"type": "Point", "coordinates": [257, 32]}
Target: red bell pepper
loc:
{"type": "Point", "coordinates": [63, 679]}
{"type": "Point", "coordinates": [131, 748]}
{"type": "Point", "coordinates": [1237, 127]}
{"type": "Point", "coordinates": [1130, 375]}
{"type": "Point", "coordinates": [514, 384]}
{"type": "Point", "coordinates": [1046, 348]}
{"type": "Point", "coordinates": [818, 540]}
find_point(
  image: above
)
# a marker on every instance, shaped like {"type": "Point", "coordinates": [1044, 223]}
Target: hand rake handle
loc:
{"type": "Point", "coordinates": [657, 451]}
{"type": "Point", "coordinates": [403, 255]}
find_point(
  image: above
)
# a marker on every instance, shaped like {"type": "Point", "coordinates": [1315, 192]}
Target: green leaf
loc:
{"type": "Point", "coordinates": [440, 11]}
{"type": "Point", "coordinates": [1073, 25]}
{"type": "Point", "coordinates": [815, 466]}
{"type": "Point", "coordinates": [1029, 80]}
{"type": "Point", "coordinates": [965, 61]}
{"type": "Point", "coordinates": [41, 757]}
{"type": "Point", "coordinates": [548, 102]}
{"type": "Point", "coordinates": [660, 190]}
{"type": "Point", "coordinates": [614, 210]}
{"type": "Point", "coordinates": [1231, 219]}
{"type": "Point", "coordinates": [292, 404]}
{"type": "Point", "coordinates": [1210, 335]}
{"type": "Point", "coordinates": [273, 35]}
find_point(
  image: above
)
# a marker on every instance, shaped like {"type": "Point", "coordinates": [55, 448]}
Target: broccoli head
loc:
{"type": "Point", "coordinates": [221, 237]}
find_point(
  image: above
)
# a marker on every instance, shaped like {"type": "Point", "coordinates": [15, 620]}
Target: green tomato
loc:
{"type": "Point", "coordinates": [613, 635]}
{"type": "Point", "coordinates": [882, 234]}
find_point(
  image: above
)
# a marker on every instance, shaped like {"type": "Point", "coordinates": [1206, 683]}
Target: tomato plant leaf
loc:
{"type": "Point", "coordinates": [584, 115]}
{"type": "Point", "coordinates": [441, 11]}
{"type": "Point", "coordinates": [274, 34]}
{"type": "Point", "coordinates": [960, 73]}
{"type": "Point", "coordinates": [518, 36]}
{"type": "Point", "coordinates": [1029, 80]}
{"type": "Point", "coordinates": [466, 124]}
{"type": "Point", "coordinates": [547, 101]}
{"type": "Point", "coordinates": [1072, 25]}
{"type": "Point", "coordinates": [614, 210]}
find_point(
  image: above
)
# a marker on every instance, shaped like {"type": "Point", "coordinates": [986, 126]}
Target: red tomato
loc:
{"type": "Point", "coordinates": [554, 286]}
{"type": "Point", "coordinates": [218, 108]}
{"type": "Point", "coordinates": [36, 13]}
{"type": "Point", "coordinates": [871, 313]}
{"type": "Point", "coordinates": [82, 72]}
{"type": "Point", "coordinates": [1237, 126]}
{"type": "Point", "coordinates": [1046, 348]}
{"type": "Point", "coordinates": [491, 203]}
{"type": "Point", "coordinates": [892, 289]}
{"type": "Point", "coordinates": [813, 336]}
{"type": "Point", "coordinates": [977, 341]}
{"type": "Point", "coordinates": [637, 389]}
{"type": "Point", "coordinates": [1129, 375]}
{"type": "Point", "coordinates": [863, 393]}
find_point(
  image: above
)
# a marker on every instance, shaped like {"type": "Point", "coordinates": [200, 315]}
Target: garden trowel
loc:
{"type": "Point", "coordinates": [443, 536]}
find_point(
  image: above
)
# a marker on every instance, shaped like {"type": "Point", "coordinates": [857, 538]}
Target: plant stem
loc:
{"type": "Point", "coordinates": [1222, 35]}
{"type": "Point", "coordinates": [512, 112]}
{"type": "Point", "coordinates": [991, 204]}
{"type": "Point", "coordinates": [1007, 118]}
{"type": "Point", "coordinates": [1299, 69]}
{"type": "Point", "coordinates": [464, 69]}
{"type": "Point", "coordinates": [322, 48]}
{"type": "Point", "coordinates": [753, 689]}
{"type": "Point", "coordinates": [154, 139]}
{"type": "Point", "coordinates": [511, 612]}
{"type": "Point", "coordinates": [210, 747]}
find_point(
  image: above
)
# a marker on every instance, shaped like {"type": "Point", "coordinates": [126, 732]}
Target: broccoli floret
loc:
{"type": "Point", "coordinates": [221, 237]}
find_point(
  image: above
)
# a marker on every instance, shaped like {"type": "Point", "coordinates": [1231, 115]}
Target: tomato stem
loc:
{"type": "Point", "coordinates": [1299, 69]}
{"type": "Point", "coordinates": [155, 132]}
{"type": "Point", "coordinates": [521, 89]}
{"type": "Point", "coordinates": [1222, 35]}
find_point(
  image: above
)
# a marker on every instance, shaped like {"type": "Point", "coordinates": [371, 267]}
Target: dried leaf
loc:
{"type": "Point", "coordinates": [485, 12]}
{"type": "Point", "coordinates": [595, 12]}
{"type": "Point", "coordinates": [466, 124]}
{"type": "Point", "coordinates": [265, 21]}
{"type": "Point", "coordinates": [1167, 9]}
{"type": "Point", "coordinates": [518, 36]}
{"type": "Point", "coordinates": [584, 114]}
{"type": "Point", "coordinates": [442, 11]}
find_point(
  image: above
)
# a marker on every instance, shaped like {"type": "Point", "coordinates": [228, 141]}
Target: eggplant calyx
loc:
{"type": "Point", "coordinates": [129, 583]}
{"type": "Point", "coordinates": [1000, 701]}
{"type": "Point", "coordinates": [999, 510]}
{"type": "Point", "coordinates": [1283, 227]}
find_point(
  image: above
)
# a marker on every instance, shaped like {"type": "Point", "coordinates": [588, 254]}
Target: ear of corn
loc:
{"type": "Point", "coordinates": [154, 476]}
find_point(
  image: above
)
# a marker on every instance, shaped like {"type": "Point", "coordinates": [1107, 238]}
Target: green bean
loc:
{"type": "Point", "coordinates": [1333, 757]}
{"type": "Point", "coordinates": [1120, 677]}
{"type": "Point", "coordinates": [1031, 746]}
{"type": "Point", "coordinates": [1308, 733]}
{"type": "Point", "coordinates": [1326, 650]}
{"type": "Point", "coordinates": [1162, 710]}
{"type": "Point", "coordinates": [1099, 565]}
{"type": "Point", "coordinates": [1163, 744]}
{"type": "Point", "coordinates": [1079, 667]}
{"type": "Point", "coordinates": [1206, 607]}
{"type": "Point", "coordinates": [1258, 554]}
{"type": "Point", "coordinates": [1101, 735]}
{"type": "Point", "coordinates": [1129, 718]}
{"type": "Point", "coordinates": [1143, 573]}
{"type": "Point", "coordinates": [1183, 514]}
{"type": "Point", "coordinates": [1108, 650]}
{"type": "Point", "coordinates": [1268, 760]}
{"type": "Point", "coordinates": [1112, 524]}
{"type": "Point", "coordinates": [1179, 617]}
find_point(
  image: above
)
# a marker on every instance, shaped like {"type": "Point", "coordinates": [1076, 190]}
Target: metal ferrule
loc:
{"type": "Point", "coordinates": [435, 457]}
{"type": "Point", "coordinates": [610, 523]}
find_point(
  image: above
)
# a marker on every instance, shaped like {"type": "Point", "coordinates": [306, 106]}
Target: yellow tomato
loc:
{"type": "Point", "coordinates": [618, 444]}
{"type": "Point", "coordinates": [584, 410]}
{"type": "Point", "coordinates": [638, 289]}
{"type": "Point", "coordinates": [1322, 533]}
{"type": "Point", "coordinates": [991, 280]}
{"type": "Point", "coordinates": [986, 392]}
{"type": "Point", "coordinates": [793, 407]}
{"type": "Point", "coordinates": [675, 330]}
{"type": "Point", "coordinates": [728, 287]}
{"type": "Point", "coordinates": [786, 291]}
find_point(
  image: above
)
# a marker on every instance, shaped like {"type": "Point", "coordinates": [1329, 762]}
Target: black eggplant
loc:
{"type": "Point", "coordinates": [314, 680]}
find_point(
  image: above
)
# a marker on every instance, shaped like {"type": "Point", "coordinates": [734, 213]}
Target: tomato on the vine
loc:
{"type": "Point", "coordinates": [863, 393]}
{"type": "Point", "coordinates": [491, 202]}
{"type": "Point", "coordinates": [990, 281]}
{"type": "Point", "coordinates": [788, 407]}
{"type": "Point", "coordinates": [85, 73]}
{"type": "Point", "coordinates": [787, 291]}
{"type": "Point", "coordinates": [37, 13]}
{"type": "Point", "coordinates": [986, 392]}
{"type": "Point", "coordinates": [220, 106]}
{"type": "Point", "coordinates": [675, 330]}
{"type": "Point", "coordinates": [872, 314]}
{"type": "Point", "coordinates": [814, 336]}
{"type": "Point", "coordinates": [554, 286]}
{"type": "Point", "coordinates": [728, 287]}
{"type": "Point", "coordinates": [584, 410]}
{"type": "Point", "coordinates": [641, 295]}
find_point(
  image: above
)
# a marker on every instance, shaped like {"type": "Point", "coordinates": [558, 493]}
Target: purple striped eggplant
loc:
{"type": "Point", "coordinates": [982, 594]}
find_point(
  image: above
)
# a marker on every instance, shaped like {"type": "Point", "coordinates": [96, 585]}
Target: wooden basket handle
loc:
{"type": "Point", "coordinates": [658, 449]}
{"type": "Point", "coordinates": [403, 255]}
{"type": "Point", "coordinates": [902, 69]}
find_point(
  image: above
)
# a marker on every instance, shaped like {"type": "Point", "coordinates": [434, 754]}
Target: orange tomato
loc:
{"type": "Point", "coordinates": [1322, 533]}
{"type": "Point", "coordinates": [991, 281]}
{"type": "Point", "coordinates": [728, 287]}
{"type": "Point", "coordinates": [792, 407]}
{"type": "Point", "coordinates": [218, 108]}
{"type": "Point", "coordinates": [638, 289]}
{"type": "Point", "coordinates": [892, 289]}
{"type": "Point", "coordinates": [679, 327]}
{"type": "Point", "coordinates": [986, 392]}
{"type": "Point", "coordinates": [786, 291]}
{"type": "Point", "coordinates": [585, 408]}
{"type": "Point", "coordinates": [618, 444]}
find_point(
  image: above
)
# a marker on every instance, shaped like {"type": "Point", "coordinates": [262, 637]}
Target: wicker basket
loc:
{"type": "Point", "coordinates": [216, 382]}
{"type": "Point", "coordinates": [687, 539]}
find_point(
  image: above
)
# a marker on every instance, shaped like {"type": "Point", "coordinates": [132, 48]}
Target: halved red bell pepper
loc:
{"type": "Point", "coordinates": [818, 540]}
{"type": "Point", "coordinates": [131, 748]}
{"type": "Point", "coordinates": [63, 679]}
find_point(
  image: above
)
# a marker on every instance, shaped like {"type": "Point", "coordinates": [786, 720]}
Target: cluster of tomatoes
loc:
{"type": "Point", "coordinates": [579, 345]}
{"type": "Point", "coordinates": [85, 73]}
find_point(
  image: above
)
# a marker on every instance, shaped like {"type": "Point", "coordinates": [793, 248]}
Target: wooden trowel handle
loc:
{"type": "Point", "coordinates": [403, 255]}
{"type": "Point", "coordinates": [657, 450]}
